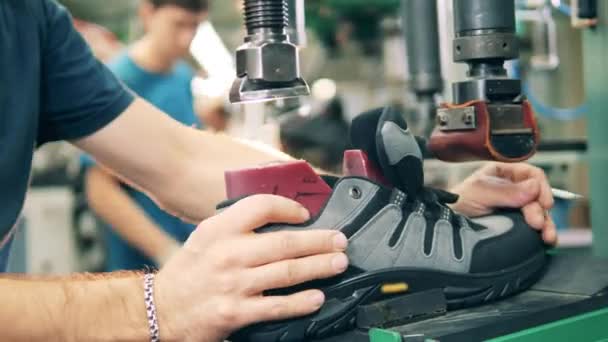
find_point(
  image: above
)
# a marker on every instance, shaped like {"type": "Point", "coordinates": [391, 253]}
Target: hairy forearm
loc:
{"type": "Point", "coordinates": [114, 206]}
{"type": "Point", "coordinates": [180, 167]}
{"type": "Point", "coordinates": [211, 155]}
{"type": "Point", "coordinates": [78, 308]}
{"type": "Point", "coordinates": [138, 146]}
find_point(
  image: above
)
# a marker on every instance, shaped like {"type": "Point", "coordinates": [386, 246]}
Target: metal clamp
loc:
{"type": "Point", "coordinates": [456, 119]}
{"type": "Point", "coordinates": [507, 119]}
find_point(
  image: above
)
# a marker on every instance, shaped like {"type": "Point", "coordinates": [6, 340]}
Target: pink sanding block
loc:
{"type": "Point", "coordinates": [356, 163]}
{"type": "Point", "coordinates": [294, 180]}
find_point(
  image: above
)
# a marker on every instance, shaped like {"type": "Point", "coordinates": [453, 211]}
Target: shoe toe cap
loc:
{"type": "Point", "coordinates": [507, 250]}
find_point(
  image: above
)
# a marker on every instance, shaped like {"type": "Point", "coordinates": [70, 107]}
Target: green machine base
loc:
{"type": "Point", "coordinates": [570, 303]}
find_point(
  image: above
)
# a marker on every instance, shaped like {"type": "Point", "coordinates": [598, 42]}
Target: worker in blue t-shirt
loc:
{"type": "Point", "coordinates": [140, 234]}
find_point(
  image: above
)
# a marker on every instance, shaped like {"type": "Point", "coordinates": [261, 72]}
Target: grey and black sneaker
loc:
{"type": "Point", "coordinates": [403, 234]}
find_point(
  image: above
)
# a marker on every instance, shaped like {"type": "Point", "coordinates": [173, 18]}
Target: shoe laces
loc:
{"type": "Point", "coordinates": [434, 204]}
{"type": "Point", "coordinates": [431, 196]}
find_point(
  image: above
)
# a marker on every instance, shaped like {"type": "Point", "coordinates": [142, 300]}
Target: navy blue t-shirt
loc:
{"type": "Point", "coordinates": [51, 88]}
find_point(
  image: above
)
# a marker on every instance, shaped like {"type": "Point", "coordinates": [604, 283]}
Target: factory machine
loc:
{"type": "Point", "coordinates": [489, 117]}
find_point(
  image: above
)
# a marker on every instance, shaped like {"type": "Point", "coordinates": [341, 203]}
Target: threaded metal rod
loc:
{"type": "Point", "coordinates": [269, 15]}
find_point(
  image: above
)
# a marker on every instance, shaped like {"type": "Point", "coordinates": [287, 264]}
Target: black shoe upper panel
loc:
{"type": "Point", "coordinates": [517, 245]}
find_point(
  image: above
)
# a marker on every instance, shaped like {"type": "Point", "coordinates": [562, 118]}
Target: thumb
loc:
{"type": "Point", "coordinates": [504, 193]}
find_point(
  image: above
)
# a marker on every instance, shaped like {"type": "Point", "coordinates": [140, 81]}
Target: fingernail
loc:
{"type": "Point", "coordinates": [340, 241]}
{"type": "Point", "coordinates": [305, 213]}
{"type": "Point", "coordinates": [340, 263]}
{"type": "Point", "coordinates": [318, 298]}
{"type": "Point", "coordinates": [552, 237]}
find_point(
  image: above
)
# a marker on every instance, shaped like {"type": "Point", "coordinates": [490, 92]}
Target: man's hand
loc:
{"type": "Point", "coordinates": [512, 186]}
{"type": "Point", "coordinates": [215, 284]}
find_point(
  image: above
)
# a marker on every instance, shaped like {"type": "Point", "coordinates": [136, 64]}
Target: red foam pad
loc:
{"type": "Point", "coordinates": [294, 180]}
{"type": "Point", "coordinates": [356, 163]}
{"type": "Point", "coordinates": [464, 146]}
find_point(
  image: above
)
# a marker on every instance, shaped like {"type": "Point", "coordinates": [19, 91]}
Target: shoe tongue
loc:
{"type": "Point", "coordinates": [384, 136]}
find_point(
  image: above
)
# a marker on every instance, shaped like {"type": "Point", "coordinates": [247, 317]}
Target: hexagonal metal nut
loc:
{"type": "Point", "coordinates": [270, 62]}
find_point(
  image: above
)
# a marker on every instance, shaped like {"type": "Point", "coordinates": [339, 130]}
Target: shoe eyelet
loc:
{"type": "Point", "coordinates": [355, 192]}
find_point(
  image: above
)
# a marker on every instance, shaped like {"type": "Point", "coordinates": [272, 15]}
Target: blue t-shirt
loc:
{"type": "Point", "coordinates": [170, 92]}
{"type": "Point", "coordinates": [51, 88]}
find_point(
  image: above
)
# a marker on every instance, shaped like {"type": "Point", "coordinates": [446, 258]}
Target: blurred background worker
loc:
{"type": "Point", "coordinates": [139, 233]}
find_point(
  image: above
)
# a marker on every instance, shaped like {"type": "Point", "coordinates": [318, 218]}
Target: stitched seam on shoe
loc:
{"type": "Point", "coordinates": [404, 232]}
{"type": "Point", "coordinates": [433, 243]}
{"type": "Point", "coordinates": [376, 217]}
{"type": "Point", "coordinates": [461, 260]}
{"type": "Point", "coordinates": [356, 210]}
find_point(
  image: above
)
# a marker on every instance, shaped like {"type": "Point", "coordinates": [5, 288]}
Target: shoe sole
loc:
{"type": "Point", "coordinates": [339, 313]}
